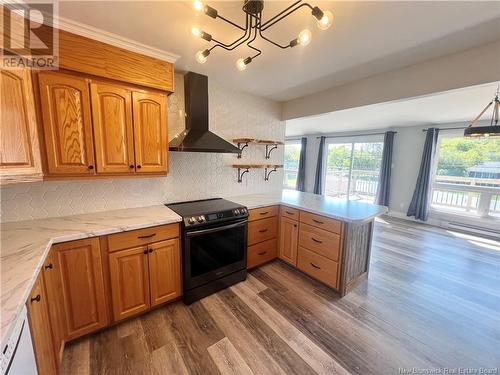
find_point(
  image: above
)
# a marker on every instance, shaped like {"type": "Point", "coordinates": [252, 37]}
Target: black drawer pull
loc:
{"type": "Point", "coordinates": [91, 167]}
{"type": "Point", "coordinates": [295, 225]}
{"type": "Point", "coordinates": [138, 166]}
{"type": "Point", "coordinates": [315, 240]}
{"type": "Point", "coordinates": [317, 221]}
{"type": "Point", "coordinates": [315, 266]}
{"type": "Point", "coordinates": [49, 266]}
{"type": "Point", "coordinates": [290, 213]}
{"type": "Point", "coordinates": [148, 236]}
{"type": "Point", "coordinates": [150, 250]}
{"type": "Point", "coordinates": [262, 253]}
{"type": "Point", "coordinates": [263, 231]}
{"type": "Point", "coordinates": [131, 166]}
{"type": "Point", "coordinates": [264, 213]}
{"type": "Point", "coordinates": [145, 251]}
{"type": "Point", "coordinates": [37, 298]}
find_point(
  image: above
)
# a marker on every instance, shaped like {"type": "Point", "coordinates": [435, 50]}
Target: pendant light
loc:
{"type": "Point", "coordinates": [492, 130]}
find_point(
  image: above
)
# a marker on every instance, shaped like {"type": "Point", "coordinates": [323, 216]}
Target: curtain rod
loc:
{"type": "Point", "coordinates": [353, 135]}
{"type": "Point", "coordinates": [443, 129]}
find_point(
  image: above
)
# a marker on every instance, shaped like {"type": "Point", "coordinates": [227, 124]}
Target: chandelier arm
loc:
{"type": "Point", "coordinates": [272, 42]}
{"type": "Point", "coordinates": [280, 13]}
{"type": "Point", "coordinates": [268, 24]}
{"type": "Point", "coordinates": [237, 40]}
{"type": "Point", "coordinates": [496, 112]}
{"type": "Point", "coordinates": [476, 119]}
{"type": "Point", "coordinates": [236, 45]}
{"type": "Point", "coordinates": [231, 22]}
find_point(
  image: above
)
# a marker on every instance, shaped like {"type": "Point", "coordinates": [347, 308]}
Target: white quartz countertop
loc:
{"type": "Point", "coordinates": [25, 246]}
{"type": "Point", "coordinates": [349, 211]}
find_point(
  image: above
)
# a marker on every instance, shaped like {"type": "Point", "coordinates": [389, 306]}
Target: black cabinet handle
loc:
{"type": "Point", "coordinates": [91, 167]}
{"type": "Point", "coordinates": [262, 253]}
{"type": "Point", "coordinates": [264, 213]}
{"type": "Point", "coordinates": [263, 231]}
{"type": "Point", "coordinates": [145, 251]}
{"type": "Point", "coordinates": [36, 299]}
{"type": "Point", "coordinates": [131, 166]}
{"type": "Point", "coordinates": [138, 167]}
{"type": "Point", "coordinates": [150, 250]}
{"type": "Point", "coordinates": [317, 221]}
{"type": "Point", "coordinates": [315, 240]}
{"type": "Point", "coordinates": [290, 213]}
{"type": "Point", "coordinates": [315, 266]}
{"type": "Point", "coordinates": [295, 225]}
{"type": "Point", "coordinates": [49, 266]}
{"type": "Point", "coordinates": [148, 236]}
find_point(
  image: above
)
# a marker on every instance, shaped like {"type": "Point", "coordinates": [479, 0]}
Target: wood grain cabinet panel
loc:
{"type": "Point", "coordinates": [289, 233]}
{"type": "Point", "coordinates": [262, 213]}
{"type": "Point", "coordinates": [41, 332]}
{"type": "Point", "coordinates": [113, 132]}
{"type": "Point", "coordinates": [317, 266]}
{"type": "Point", "coordinates": [291, 213]}
{"type": "Point", "coordinates": [164, 271]}
{"type": "Point", "coordinates": [322, 222]}
{"type": "Point", "coordinates": [67, 126]}
{"type": "Point", "coordinates": [129, 272]}
{"type": "Point", "coordinates": [82, 286]}
{"type": "Point", "coordinates": [19, 147]}
{"type": "Point", "coordinates": [320, 241]}
{"type": "Point", "coordinates": [261, 253]}
{"type": "Point", "coordinates": [262, 230]}
{"type": "Point", "coordinates": [150, 132]}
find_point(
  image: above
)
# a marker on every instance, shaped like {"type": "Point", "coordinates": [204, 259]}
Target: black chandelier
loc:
{"type": "Point", "coordinates": [255, 26]}
{"type": "Point", "coordinates": [486, 131]}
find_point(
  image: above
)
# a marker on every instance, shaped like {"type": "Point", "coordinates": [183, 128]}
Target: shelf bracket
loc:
{"type": "Point", "coordinates": [245, 144]}
{"type": "Point", "coordinates": [268, 150]}
{"type": "Point", "coordinates": [266, 175]}
{"type": "Point", "coordinates": [241, 172]}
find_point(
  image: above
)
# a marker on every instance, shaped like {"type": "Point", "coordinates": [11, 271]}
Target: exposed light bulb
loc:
{"type": "Point", "coordinates": [196, 32]}
{"type": "Point", "coordinates": [198, 5]}
{"type": "Point", "coordinates": [240, 64]}
{"type": "Point", "coordinates": [201, 56]}
{"type": "Point", "coordinates": [326, 21]}
{"type": "Point", "coordinates": [304, 37]}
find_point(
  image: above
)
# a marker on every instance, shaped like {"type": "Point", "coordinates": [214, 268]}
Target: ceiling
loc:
{"type": "Point", "coordinates": [448, 107]}
{"type": "Point", "coordinates": [367, 38]}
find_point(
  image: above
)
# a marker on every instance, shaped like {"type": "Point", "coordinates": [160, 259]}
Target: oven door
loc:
{"type": "Point", "coordinates": [212, 253]}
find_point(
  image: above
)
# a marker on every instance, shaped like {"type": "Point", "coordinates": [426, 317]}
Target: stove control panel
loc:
{"type": "Point", "coordinates": [197, 220]}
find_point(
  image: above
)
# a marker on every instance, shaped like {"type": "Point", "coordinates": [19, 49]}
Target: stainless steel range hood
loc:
{"type": "Point", "coordinates": [197, 137]}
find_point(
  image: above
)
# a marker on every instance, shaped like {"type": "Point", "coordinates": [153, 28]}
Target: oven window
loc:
{"type": "Point", "coordinates": [212, 251]}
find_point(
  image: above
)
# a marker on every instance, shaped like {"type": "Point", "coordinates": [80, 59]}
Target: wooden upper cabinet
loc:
{"type": "Point", "coordinates": [164, 271]}
{"type": "Point", "coordinates": [19, 148]}
{"type": "Point", "coordinates": [150, 132]}
{"type": "Point", "coordinates": [113, 132]}
{"type": "Point", "coordinates": [65, 102]}
{"type": "Point", "coordinates": [82, 280]}
{"type": "Point", "coordinates": [129, 274]}
{"type": "Point", "coordinates": [289, 233]}
{"type": "Point", "coordinates": [40, 328]}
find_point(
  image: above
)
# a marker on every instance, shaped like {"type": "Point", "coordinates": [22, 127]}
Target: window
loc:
{"type": "Point", "coordinates": [467, 177]}
{"type": "Point", "coordinates": [352, 170]}
{"type": "Point", "coordinates": [291, 164]}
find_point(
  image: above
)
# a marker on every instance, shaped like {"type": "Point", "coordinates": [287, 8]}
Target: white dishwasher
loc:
{"type": "Point", "coordinates": [18, 357]}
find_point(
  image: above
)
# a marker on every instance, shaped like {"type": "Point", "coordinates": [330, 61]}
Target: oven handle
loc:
{"type": "Point", "coordinates": [217, 229]}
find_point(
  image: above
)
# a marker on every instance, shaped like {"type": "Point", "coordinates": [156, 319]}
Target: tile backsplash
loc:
{"type": "Point", "coordinates": [191, 175]}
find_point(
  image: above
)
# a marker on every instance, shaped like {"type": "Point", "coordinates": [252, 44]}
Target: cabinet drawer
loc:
{"type": "Point", "coordinates": [262, 213]}
{"type": "Point", "coordinates": [261, 253]}
{"type": "Point", "coordinates": [141, 237]}
{"type": "Point", "coordinates": [262, 230]}
{"type": "Point", "coordinates": [322, 222]}
{"type": "Point", "coordinates": [320, 241]}
{"type": "Point", "coordinates": [317, 266]}
{"type": "Point", "coordinates": [291, 213]}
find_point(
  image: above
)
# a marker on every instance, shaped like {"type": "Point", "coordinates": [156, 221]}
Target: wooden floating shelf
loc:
{"type": "Point", "coordinates": [243, 142]}
{"type": "Point", "coordinates": [245, 168]}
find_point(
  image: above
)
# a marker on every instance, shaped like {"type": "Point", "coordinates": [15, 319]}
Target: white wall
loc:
{"type": "Point", "coordinates": [191, 176]}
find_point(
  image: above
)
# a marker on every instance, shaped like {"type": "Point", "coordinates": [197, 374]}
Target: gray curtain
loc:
{"type": "Point", "coordinates": [318, 178]}
{"type": "Point", "coordinates": [384, 180]}
{"type": "Point", "coordinates": [301, 175]}
{"type": "Point", "coordinates": [420, 203]}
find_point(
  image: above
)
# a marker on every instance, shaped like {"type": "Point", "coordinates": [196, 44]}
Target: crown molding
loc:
{"type": "Point", "coordinates": [114, 39]}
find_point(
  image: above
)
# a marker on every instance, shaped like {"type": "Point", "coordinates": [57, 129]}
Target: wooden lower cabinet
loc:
{"type": "Point", "coordinates": [317, 266]}
{"type": "Point", "coordinates": [82, 290]}
{"type": "Point", "coordinates": [289, 233]}
{"type": "Point", "coordinates": [129, 273]}
{"type": "Point", "coordinates": [261, 253]}
{"type": "Point", "coordinates": [40, 327]}
{"type": "Point", "coordinates": [164, 271]}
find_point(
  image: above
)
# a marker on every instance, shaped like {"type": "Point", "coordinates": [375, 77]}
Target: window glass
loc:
{"type": "Point", "coordinates": [291, 164]}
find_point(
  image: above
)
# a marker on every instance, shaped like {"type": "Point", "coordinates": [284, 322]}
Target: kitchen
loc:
{"type": "Point", "coordinates": [145, 227]}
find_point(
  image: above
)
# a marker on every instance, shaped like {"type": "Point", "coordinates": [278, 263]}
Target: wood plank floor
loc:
{"type": "Point", "coordinates": [432, 301]}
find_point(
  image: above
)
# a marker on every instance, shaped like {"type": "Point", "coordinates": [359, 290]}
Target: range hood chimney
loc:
{"type": "Point", "coordinates": [197, 137]}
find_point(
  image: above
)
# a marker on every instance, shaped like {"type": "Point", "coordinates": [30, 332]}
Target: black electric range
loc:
{"type": "Point", "coordinates": [214, 246]}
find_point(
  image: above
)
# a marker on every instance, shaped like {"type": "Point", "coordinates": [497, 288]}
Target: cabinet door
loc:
{"type": "Point", "coordinates": [150, 132]}
{"type": "Point", "coordinates": [19, 148]}
{"type": "Point", "coordinates": [82, 286]}
{"type": "Point", "coordinates": [289, 232]}
{"type": "Point", "coordinates": [53, 288]}
{"type": "Point", "coordinates": [164, 271]}
{"type": "Point", "coordinates": [41, 333]}
{"type": "Point", "coordinates": [65, 102]}
{"type": "Point", "coordinates": [129, 281]}
{"type": "Point", "coordinates": [113, 134]}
